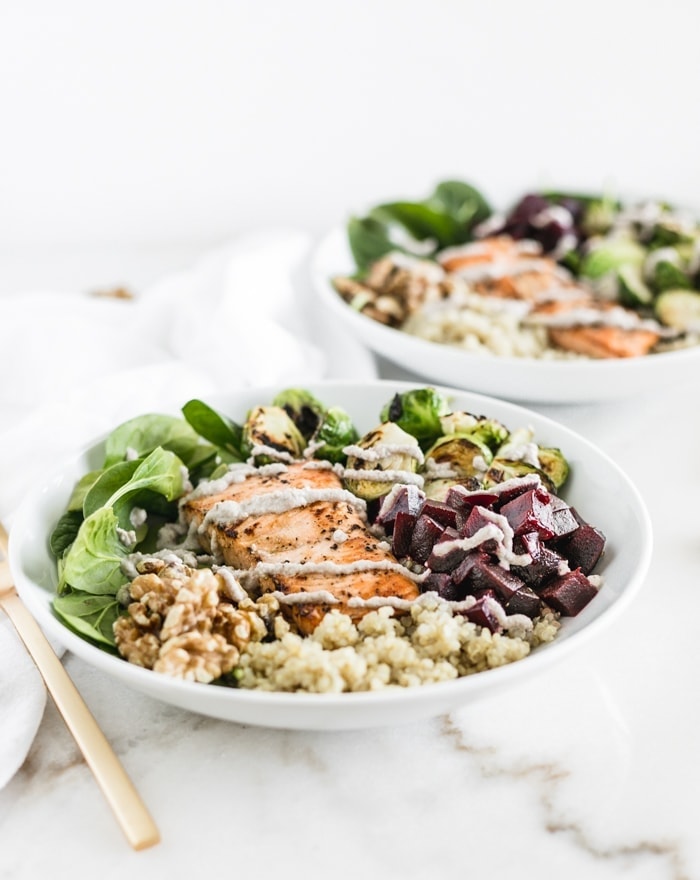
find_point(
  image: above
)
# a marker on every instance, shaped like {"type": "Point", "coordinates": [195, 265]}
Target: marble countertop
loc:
{"type": "Point", "coordinates": [593, 767]}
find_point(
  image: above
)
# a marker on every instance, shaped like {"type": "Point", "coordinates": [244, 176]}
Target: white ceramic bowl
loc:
{"type": "Point", "coordinates": [598, 488]}
{"type": "Point", "coordinates": [521, 379]}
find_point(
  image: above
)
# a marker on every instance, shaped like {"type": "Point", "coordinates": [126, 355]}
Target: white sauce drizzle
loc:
{"type": "Point", "coordinates": [234, 590]}
{"type": "Point", "coordinates": [384, 476]}
{"type": "Point", "coordinates": [270, 452]}
{"type": "Point", "coordinates": [384, 450]}
{"type": "Point", "coordinates": [296, 569]}
{"type": "Point", "coordinates": [233, 512]}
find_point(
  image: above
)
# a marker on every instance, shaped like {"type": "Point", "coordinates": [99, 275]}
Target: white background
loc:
{"type": "Point", "coordinates": [160, 122]}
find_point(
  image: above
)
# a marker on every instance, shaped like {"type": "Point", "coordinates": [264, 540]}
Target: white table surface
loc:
{"type": "Point", "coordinates": [590, 769]}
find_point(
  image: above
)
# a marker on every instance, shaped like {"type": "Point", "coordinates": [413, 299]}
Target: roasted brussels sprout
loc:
{"type": "Point", "coordinates": [598, 216]}
{"type": "Point", "coordinates": [679, 309]}
{"type": "Point", "coordinates": [334, 432]}
{"type": "Point", "coordinates": [487, 431]}
{"type": "Point", "coordinates": [553, 464]}
{"type": "Point", "coordinates": [388, 454]}
{"type": "Point", "coordinates": [462, 455]}
{"type": "Point", "coordinates": [668, 276]}
{"type": "Point", "coordinates": [305, 410]}
{"type": "Point", "coordinates": [458, 422]}
{"type": "Point", "coordinates": [609, 255]}
{"type": "Point", "coordinates": [268, 431]}
{"type": "Point", "coordinates": [418, 412]}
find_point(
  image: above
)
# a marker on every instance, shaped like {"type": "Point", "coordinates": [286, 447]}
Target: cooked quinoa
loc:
{"type": "Point", "coordinates": [482, 325]}
{"type": "Point", "coordinates": [383, 650]}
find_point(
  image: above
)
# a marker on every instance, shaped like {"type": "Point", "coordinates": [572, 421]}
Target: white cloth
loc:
{"type": "Point", "coordinates": [74, 366]}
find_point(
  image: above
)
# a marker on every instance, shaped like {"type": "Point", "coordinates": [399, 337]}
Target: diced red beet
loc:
{"type": "Point", "coordinates": [408, 499]}
{"type": "Point", "coordinates": [563, 521]}
{"type": "Point", "coordinates": [425, 534]}
{"type": "Point", "coordinates": [464, 499]}
{"type": "Point", "coordinates": [531, 512]}
{"type": "Point", "coordinates": [439, 582]}
{"type": "Point", "coordinates": [461, 574]}
{"type": "Point", "coordinates": [475, 521]}
{"type": "Point", "coordinates": [583, 548]}
{"type": "Point", "coordinates": [441, 512]}
{"type": "Point", "coordinates": [482, 614]}
{"type": "Point", "coordinates": [404, 523]}
{"type": "Point", "coordinates": [569, 593]}
{"type": "Point", "coordinates": [545, 561]}
{"type": "Point", "coordinates": [446, 559]}
{"type": "Point", "coordinates": [486, 574]}
{"type": "Point", "coordinates": [523, 601]}
{"type": "Point", "coordinates": [516, 488]}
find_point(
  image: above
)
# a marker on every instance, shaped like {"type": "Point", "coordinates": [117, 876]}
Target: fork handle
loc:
{"type": "Point", "coordinates": [125, 801]}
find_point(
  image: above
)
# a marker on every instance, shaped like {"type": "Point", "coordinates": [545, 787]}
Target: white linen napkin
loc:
{"type": "Point", "coordinates": [74, 366]}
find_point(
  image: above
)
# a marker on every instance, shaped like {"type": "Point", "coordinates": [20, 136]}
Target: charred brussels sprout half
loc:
{"type": "Point", "coordinates": [418, 412]}
{"type": "Point", "coordinates": [554, 465]}
{"type": "Point", "coordinates": [269, 430]}
{"type": "Point", "coordinates": [459, 456]}
{"type": "Point", "coordinates": [305, 410]}
{"type": "Point", "coordinates": [387, 450]}
{"type": "Point", "coordinates": [334, 432]}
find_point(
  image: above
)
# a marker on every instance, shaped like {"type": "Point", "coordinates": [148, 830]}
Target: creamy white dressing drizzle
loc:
{"type": "Point", "coordinates": [270, 452]}
{"type": "Point", "coordinates": [237, 473]}
{"type": "Point", "coordinates": [376, 476]}
{"type": "Point", "coordinates": [498, 530]}
{"type": "Point", "coordinates": [526, 451]}
{"type": "Point", "coordinates": [514, 484]}
{"type": "Point", "coordinates": [509, 267]}
{"type": "Point", "coordinates": [439, 470]}
{"type": "Point", "coordinates": [297, 569]}
{"type": "Point", "coordinates": [234, 590]}
{"type": "Point", "coordinates": [317, 597]}
{"type": "Point", "coordinates": [384, 450]}
{"type": "Point", "coordinates": [586, 316]}
{"type": "Point", "coordinates": [233, 512]}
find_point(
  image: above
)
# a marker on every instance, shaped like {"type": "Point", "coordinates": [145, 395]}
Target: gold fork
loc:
{"type": "Point", "coordinates": [125, 801]}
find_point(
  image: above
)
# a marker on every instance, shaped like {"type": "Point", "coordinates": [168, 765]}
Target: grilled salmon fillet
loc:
{"type": "Point", "coordinates": [321, 531]}
{"type": "Point", "coordinates": [604, 342]}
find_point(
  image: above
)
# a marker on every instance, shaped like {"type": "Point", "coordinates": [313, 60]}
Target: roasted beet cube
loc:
{"type": "Point", "coordinates": [404, 523]}
{"type": "Point", "coordinates": [523, 601]}
{"type": "Point", "coordinates": [569, 593]}
{"type": "Point", "coordinates": [426, 533]}
{"type": "Point", "coordinates": [483, 613]}
{"type": "Point", "coordinates": [463, 499]}
{"type": "Point", "coordinates": [442, 513]}
{"type": "Point", "coordinates": [545, 563]}
{"type": "Point", "coordinates": [583, 548]}
{"type": "Point", "coordinates": [512, 489]}
{"type": "Point", "coordinates": [462, 574]}
{"type": "Point", "coordinates": [485, 574]}
{"type": "Point", "coordinates": [404, 499]}
{"type": "Point", "coordinates": [563, 520]}
{"type": "Point", "coordinates": [531, 512]}
{"type": "Point", "coordinates": [438, 582]}
{"type": "Point", "coordinates": [476, 521]}
{"type": "Point", "coordinates": [446, 555]}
